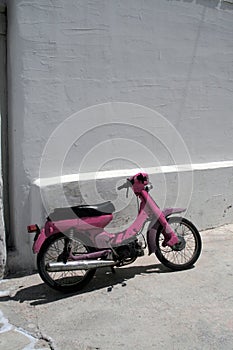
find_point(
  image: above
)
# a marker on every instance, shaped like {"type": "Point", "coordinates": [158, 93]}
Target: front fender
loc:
{"type": "Point", "coordinates": [169, 211]}
{"type": "Point", "coordinates": [155, 227]}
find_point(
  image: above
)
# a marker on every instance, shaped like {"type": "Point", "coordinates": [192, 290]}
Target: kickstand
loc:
{"type": "Point", "coordinates": [112, 269]}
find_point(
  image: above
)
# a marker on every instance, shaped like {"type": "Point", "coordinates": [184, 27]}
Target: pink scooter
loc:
{"type": "Point", "coordinates": [73, 242]}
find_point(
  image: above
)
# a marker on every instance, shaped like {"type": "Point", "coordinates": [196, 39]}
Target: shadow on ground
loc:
{"type": "Point", "coordinates": [104, 278]}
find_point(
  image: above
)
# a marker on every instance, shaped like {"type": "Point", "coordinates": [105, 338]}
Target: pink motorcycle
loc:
{"type": "Point", "coordinates": [73, 243]}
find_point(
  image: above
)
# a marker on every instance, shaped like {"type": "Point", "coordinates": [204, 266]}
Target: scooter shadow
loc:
{"type": "Point", "coordinates": [104, 278]}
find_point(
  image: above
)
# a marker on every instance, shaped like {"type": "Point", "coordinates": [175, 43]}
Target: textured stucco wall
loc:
{"type": "Point", "coordinates": [172, 56]}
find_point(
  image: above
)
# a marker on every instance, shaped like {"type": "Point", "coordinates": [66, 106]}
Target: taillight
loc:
{"type": "Point", "coordinates": [33, 228]}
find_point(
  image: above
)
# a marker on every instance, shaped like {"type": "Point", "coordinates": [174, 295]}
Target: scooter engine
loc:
{"type": "Point", "coordinates": [130, 251]}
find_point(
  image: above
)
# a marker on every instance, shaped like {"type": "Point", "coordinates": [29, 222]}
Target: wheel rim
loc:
{"type": "Point", "coordinates": [185, 255]}
{"type": "Point", "coordinates": [64, 278]}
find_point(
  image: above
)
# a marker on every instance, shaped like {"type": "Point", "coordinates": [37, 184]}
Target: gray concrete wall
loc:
{"type": "Point", "coordinates": [174, 57]}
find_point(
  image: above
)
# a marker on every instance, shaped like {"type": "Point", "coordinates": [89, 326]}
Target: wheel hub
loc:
{"type": "Point", "coordinates": [180, 245]}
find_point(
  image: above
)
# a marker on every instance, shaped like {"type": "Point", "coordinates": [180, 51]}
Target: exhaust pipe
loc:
{"type": "Point", "coordinates": [78, 265]}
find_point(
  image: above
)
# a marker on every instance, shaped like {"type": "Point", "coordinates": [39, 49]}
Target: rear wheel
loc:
{"type": "Point", "coordinates": [185, 256]}
{"type": "Point", "coordinates": [64, 281]}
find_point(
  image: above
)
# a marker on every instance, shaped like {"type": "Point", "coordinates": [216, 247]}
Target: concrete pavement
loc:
{"type": "Point", "coordinates": [142, 306]}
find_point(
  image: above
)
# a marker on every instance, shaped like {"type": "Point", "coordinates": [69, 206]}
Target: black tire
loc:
{"type": "Point", "coordinates": [65, 281]}
{"type": "Point", "coordinates": [185, 258]}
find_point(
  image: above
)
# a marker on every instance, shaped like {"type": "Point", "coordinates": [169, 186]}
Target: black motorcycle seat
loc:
{"type": "Point", "coordinates": [81, 211]}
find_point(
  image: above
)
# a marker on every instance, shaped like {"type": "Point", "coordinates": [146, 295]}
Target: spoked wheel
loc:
{"type": "Point", "coordinates": [186, 253]}
{"type": "Point", "coordinates": [64, 281]}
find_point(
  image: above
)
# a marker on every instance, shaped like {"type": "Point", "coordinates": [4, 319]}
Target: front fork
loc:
{"type": "Point", "coordinates": [160, 225]}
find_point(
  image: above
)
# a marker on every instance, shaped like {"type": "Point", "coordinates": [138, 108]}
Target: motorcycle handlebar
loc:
{"type": "Point", "coordinates": [128, 184]}
{"type": "Point", "coordinates": [125, 185]}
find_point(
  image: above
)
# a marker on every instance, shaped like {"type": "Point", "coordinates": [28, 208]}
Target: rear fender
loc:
{"type": "Point", "coordinates": [45, 232]}
{"type": "Point", "coordinates": [155, 227]}
{"type": "Point", "coordinates": [50, 229]}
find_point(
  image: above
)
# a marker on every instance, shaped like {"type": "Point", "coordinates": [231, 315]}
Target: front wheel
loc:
{"type": "Point", "coordinates": [184, 258]}
{"type": "Point", "coordinates": [63, 281]}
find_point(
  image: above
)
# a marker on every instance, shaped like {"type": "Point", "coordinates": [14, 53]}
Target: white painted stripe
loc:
{"type": "Point", "coordinates": [43, 182]}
